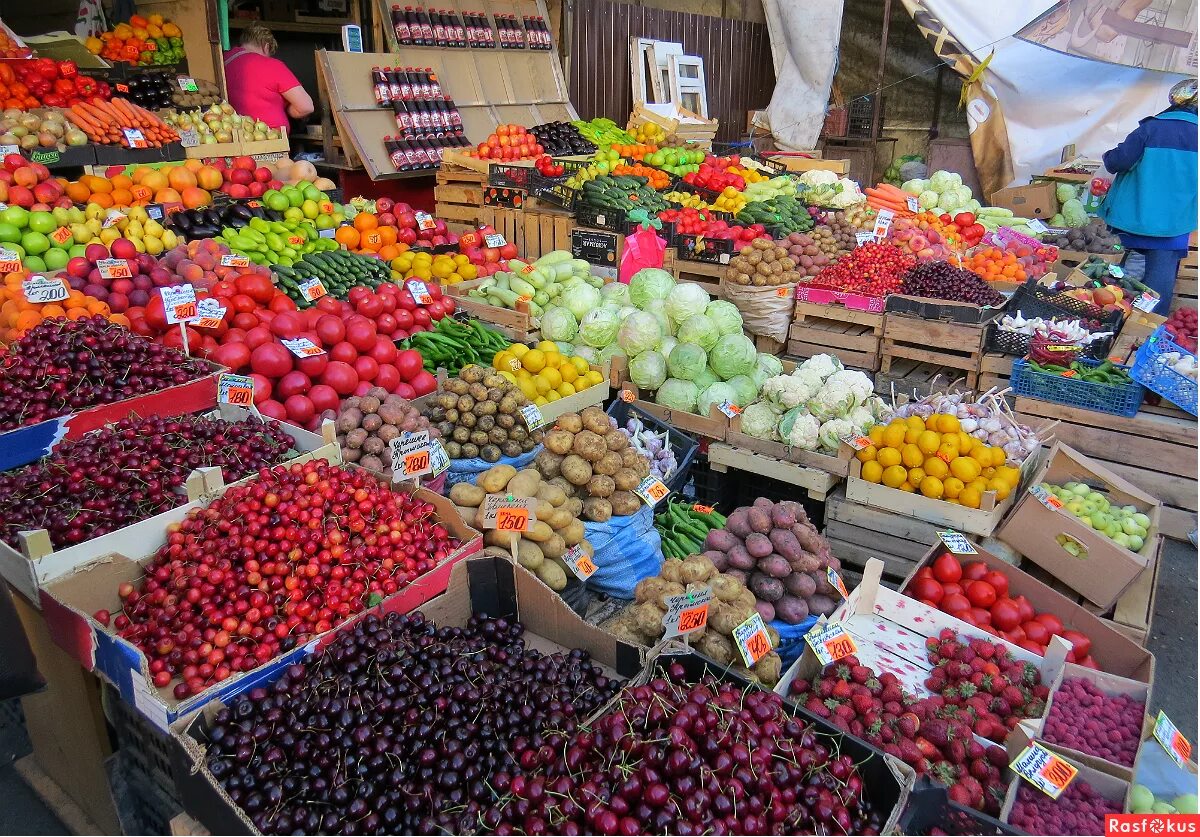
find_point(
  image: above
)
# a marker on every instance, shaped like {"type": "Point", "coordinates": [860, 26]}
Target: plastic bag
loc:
{"type": "Point", "coordinates": [468, 470]}
{"type": "Point", "coordinates": [766, 311]}
{"type": "Point", "coordinates": [626, 550]}
{"type": "Point", "coordinates": [644, 247]}
{"type": "Point", "coordinates": [791, 639]}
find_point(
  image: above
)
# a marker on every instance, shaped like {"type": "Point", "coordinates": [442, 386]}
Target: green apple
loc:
{"type": "Point", "coordinates": [56, 258]}
{"type": "Point", "coordinates": [1121, 539]}
{"type": "Point", "coordinates": [18, 216]}
{"type": "Point", "coordinates": [1074, 507]}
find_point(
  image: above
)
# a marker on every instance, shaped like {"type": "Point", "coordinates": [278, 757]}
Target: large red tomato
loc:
{"type": "Point", "coordinates": [928, 589]}
{"type": "Point", "coordinates": [946, 568]}
{"type": "Point", "coordinates": [1005, 614]}
{"type": "Point", "coordinates": [981, 594]}
{"type": "Point", "coordinates": [999, 581]}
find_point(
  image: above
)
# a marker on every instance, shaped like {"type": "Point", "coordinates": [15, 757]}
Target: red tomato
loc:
{"type": "Point", "coordinates": [926, 588]}
{"type": "Point", "coordinates": [975, 570]}
{"type": "Point", "coordinates": [423, 383]}
{"type": "Point", "coordinates": [925, 572]}
{"type": "Point", "coordinates": [313, 366]}
{"type": "Point", "coordinates": [1088, 662]}
{"type": "Point", "coordinates": [1005, 614]}
{"type": "Point", "coordinates": [330, 329]}
{"type": "Point", "coordinates": [1035, 631]}
{"type": "Point", "coordinates": [242, 304]}
{"type": "Point", "coordinates": [999, 581]}
{"type": "Point", "coordinates": [273, 409]}
{"type": "Point", "coordinates": [981, 594]}
{"type": "Point", "coordinates": [1015, 636]}
{"type": "Point", "coordinates": [299, 409]}
{"type": "Point", "coordinates": [271, 360]}
{"type": "Point", "coordinates": [234, 355]}
{"type": "Point", "coordinates": [980, 617]}
{"type": "Point", "coordinates": [387, 377]}
{"type": "Point", "coordinates": [1030, 645]}
{"type": "Point", "coordinates": [946, 568]}
{"type": "Point", "coordinates": [1081, 643]}
{"type": "Point", "coordinates": [293, 383]}
{"type": "Point", "coordinates": [256, 286]}
{"type": "Point", "coordinates": [1025, 606]}
{"type": "Point", "coordinates": [324, 398]}
{"type": "Point", "coordinates": [262, 388]}
{"type": "Point", "coordinates": [955, 603]}
{"type": "Point", "coordinates": [404, 318]}
{"type": "Point", "coordinates": [244, 321]}
{"type": "Point", "coordinates": [952, 587]}
{"type": "Point", "coordinates": [409, 364]}
{"type": "Point", "coordinates": [384, 350]}
{"type": "Point", "coordinates": [344, 352]}
{"type": "Point", "coordinates": [282, 302]}
{"type": "Point", "coordinates": [224, 289]}
{"type": "Point", "coordinates": [341, 376]}
{"type": "Point", "coordinates": [1053, 624]}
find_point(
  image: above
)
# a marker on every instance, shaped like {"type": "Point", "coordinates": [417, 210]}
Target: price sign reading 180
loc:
{"type": "Point", "coordinates": [411, 455]}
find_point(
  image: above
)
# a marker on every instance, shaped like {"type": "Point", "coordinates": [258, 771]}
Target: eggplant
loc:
{"type": "Point", "coordinates": [204, 231]}
{"type": "Point", "coordinates": [182, 221]}
{"type": "Point", "coordinates": [238, 210]}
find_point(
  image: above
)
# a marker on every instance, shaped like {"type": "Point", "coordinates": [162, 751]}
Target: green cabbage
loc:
{"type": "Point", "coordinates": [766, 366]}
{"type": "Point", "coordinates": [1064, 192]}
{"type": "Point", "coordinates": [1074, 213]}
{"type": "Point", "coordinates": [685, 300]}
{"type": "Point", "coordinates": [559, 324]}
{"type": "Point", "coordinates": [615, 293]}
{"type": "Point", "coordinates": [580, 299]}
{"type": "Point", "coordinates": [608, 353]}
{"type": "Point", "coordinates": [658, 308]}
{"type": "Point", "coordinates": [714, 395]}
{"type": "Point", "coordinates": [706, 378]}
{"type": "Point", "coordinates": [586, 352]}
{"type": "Point", "coordinates": [677, 394]}
{"type": "Point", "coordinates": [734, 354]}
{"type": "Point", "coordinates": [667, 344]}
{"type": "Point", "coordinates": [639, 333]}
{"type": "Point", "coordinates": [725, 316]}
{"type": "Point", "coordinates": [744, 389]}
{"type": "Point", "coordinates": [649, 283]}
{"type": "Point", "coordinates": [599, 327]}
{"type": "Point", "coordinates": [698, 329]}
{"type": "Point", "coordinates": [686, 361]}
{"type": "Point", "coordinates": [648, 370]}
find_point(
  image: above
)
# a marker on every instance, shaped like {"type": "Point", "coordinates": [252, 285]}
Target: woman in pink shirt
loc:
{"type": "Point", "coordinates": [260, 85]}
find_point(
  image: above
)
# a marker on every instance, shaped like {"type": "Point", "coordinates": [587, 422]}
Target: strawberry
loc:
{"type": "Point", "coordinates": [974, 789]}
{"type": "Point", "coordinates": [978, 664]}
{"type": "Point", "coordinates": [956, 752]}
{"type": "Point", "coordinates": [909, 752]}
{"type": "Point", "coordinates": [935, 683]}
{"type": "Point", "coordinates": [928, 750]}
{"type": "Point", "coordinates": [846, 711]}
{"type": "Point", "coordinates": [966, 654]}
{"type": "Point", "coordinates": [938, 731]}
{"type": "Point", "coordinates": [998, 756]}
{"type": "Point", "coordinates": [980, 769]}
{"type": "Point", "coordinates": [1013, 696]}
{"type": "Point", "coordinates": [894, 751]}
{"type": "Point", "coordinates": [857, 728]}
{"type": "Point", "coordinates": [983, 649]}
{"type": "Point", "coordinates": [893, 707]}
{"type": "Point", "coordinates": [891, 693]}
{"type": "Point", "coordinates": [948, 634]}
{"type": "Point", "coordinates": [862, 703]}
{"type": "Point", "coordinates": [825, 688]}
{"type": "Point", "coordinates": [874, 685]}
{"type": "Point", "coordinates": [1000, 707]}
{"type": "Point", "coordinates": [860, 674]}
{"type": "Point", "coordinates": [841, 690]}
{"type": "Point", "coordinates": [946, 650]}
{"type": "Point", "coordinates": [960, 795]}
{"type": "Point", "coordinates": [966, 689]}
{"type": "Point", "coordinates": [944, 772]}
{"type": "Point", "coordinates": [815, 706]}
{"type": "Point", "coordinates": [950, 693]}
{"type": "Point", "coordinates": [974, 750]}
{"type": "Point", "coordinates": [908, 724]}
{"type": "Point", "coordinates": [888, 734]}
{"type": "Point", "coordinates": [932, 645]}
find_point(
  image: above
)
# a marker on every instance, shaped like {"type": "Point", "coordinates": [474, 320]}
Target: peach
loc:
{"type": "Point", "coordinates": [190, 271]}
{"type": "Point", "coordinates": [25, 176]}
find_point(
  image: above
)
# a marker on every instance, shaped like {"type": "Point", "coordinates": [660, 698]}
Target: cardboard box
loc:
{"type": "Point", "coordinates": [1104, 570]}
{"type": "Point", "coordinates": [1112, 788]}
{"type": "Point", "coordinates": [69, 602]}
{"type": "Point", "coordinates": [1114, 651]}
{"type": "Point", "coordinates": [1034, 201]}
{"type": "Point", "coordinates": [32, 562]}
{"type": "Point", "coordinates": [1158, 771]}
{"type": "Point", "coordinates": [488, 585]}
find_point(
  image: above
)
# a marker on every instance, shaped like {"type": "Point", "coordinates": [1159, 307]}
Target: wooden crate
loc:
{"type": "Point", "coordinates": [995, 370]}
{"type": "Point", "coordinates": [1155, 450]}
{"type": "Point", "coordinates": [915, 379]}
{"type": "Point", "coordinates": [725, 457]}
{"type": "Point", "coordinates": [953, 345]}
{"type": "Point", "coordinates": [458, 195]}
{"type": "Point", "coordinates": [1137, 327]}
{"type": "Point", "coordinates": [704, 274]}
{"type": "Point", "coordinates": [515, 324]}
{"type": "Point", "coordinates": [1185, 282]}
{"type": "Point", "coordinates": [1068, 260]}
{"type": "Point", "coordinates": [852, 336]}
{"type": "Point", "coordinates": [535, 232]}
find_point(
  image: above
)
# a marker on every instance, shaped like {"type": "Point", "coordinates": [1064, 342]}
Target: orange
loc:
{"type": "Point", "coordinates": [209, 178]}
{"type": "Point", "coordinates": [120, 181]}
{"type": "Point", "coordinates": [181, 178]}
{"type": "Point", "coordinates": [167, 195]}
{"type": "Point", "coordinates": [348, 235]}
{"type": "Point", "coordinates": [387, 234]}
{"type": "Point", "coordinates": [389, 251]}
{"type": "Point", "coordinates": [106, 200]}
{"type": "Point", "coordinates": [194, 196]}
{"type": "Point", "coordinates": [78, 192]}
{"type": "Point", "coordinates": [364, 221]}
{"type": "Point", "coordinates": [193, 165]}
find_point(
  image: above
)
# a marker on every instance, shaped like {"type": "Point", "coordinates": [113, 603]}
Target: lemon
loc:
{"type": "Point", "coordinates": [594, 377]}
{"type": "Point", "coordinates": [501, 360]}
{"type": "Point", "coordinates": [541, 402]}
{"type": "Point", "coordinates": [422, 272]}
{"type": "Point", "coordinates": [929, 442]}
{"type": "Point", "coordinates": [951, 440]}
{"type": "Point", "coordinates": [935, 467]}
{"type": "Point", "coordinates": [988, 472]}
{"type": "Point", "coordinates": [979, 485]}
{"type": "Point", "coordinates": [540, 385]}
{"type": "Point", "coordinates": [1000, 487]}
{"type": "Point", "coordinates": [565, 389]}
{"type": "Point", "coordinates": [911, 435]}
{"type": "Point", "coordinates": [951, 488]}
{"type": "Point", "coordinates": [932, 487]}
{"type": "Point", "coordinates": [467, 272]}
{"type": "Point", "coordinates": [948, 424]}
{"type": "Point", "coordinates": [552, 396]}
{"type": "Point", "coordinates": [981, 454]}
{"type": "Point", "coordinates": [1010, 475]}
{"type": "Point", "coordinates": [534, 360]}
{"type": "Point", "coordinates": [904, 486]}
{"type": "Point", "coordinates": [527, 387]}
{"type": "Point", "coordinates": [893, 476]}
{"type": "Point", "coordinates": [568, 372]}
{"type": "Point", "coordinates": [442, 268]}
{"type": "Point", "coordinates": [970, 497]}
{"type": "Point", "coordinates": [953, 500]}
{"type": "Point", "coordinates": [893, 435]}
{"type": "Point", "coordinates": [965, 468]}
{"type": "Point", "coordinates": [887, 457]}
{"type": "Point", "coordinates": [518, 349]}
{"type": "Point", "coordinates": [875, 434]}
{"type": "Point", "coordinates": [915, 475]}
{"type": "Point", "coordinates": [581, 365]}
{"type": "Point", "coordinates": [915, 423]}
{"type": "Point", "coordinates": [522, 373]}
{"type": "Point", "coordinates": [552, 376]}
{"type": "Point", "coordinates": [508, 376]}
{"type": "Point", "coordinates": [911, 456]}
{"type": "Point", "coordinates": [872, 471]}
{"type": "Point", "coordinates": [547, 346]}
{"type": "Point", "coordinates": [947, 453]}
{"type": "Point", "coordinates": [999, 457]}
{"type": "Point", "coordinates": [966, 441]}
{"type": "Point", "coordinates": [867, 454]}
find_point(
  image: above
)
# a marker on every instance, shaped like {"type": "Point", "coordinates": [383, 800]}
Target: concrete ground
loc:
{"type": "Point", "coordinates": [1173, 640]}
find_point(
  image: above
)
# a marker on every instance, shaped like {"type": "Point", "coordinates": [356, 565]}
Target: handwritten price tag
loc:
{"type": "Point", "coordinates": [532, 416]}
{"type": "Point", "coordinates": [61, 236]}
{"type": "Point", "coordinates": [652, 490]}
{"type": "Point", "coordinates": [326, 207]}
{"type": "Point", "coordinates": [782, 293]}
{"type": "Point", "coordinates": [303, 347]}
{"type": "Point", "coordinates": [1036, 226]}
{"type": "Point", "coordinates": [507, 513]}
{"type": "Point", "coordinates": [438, 459]}
{"type": "Point", "coordinates": [114, 217]}
{"type": "Point", "coordinates": [858, 442]}
{"type": "Point", "coordinates": [10, 262]}
{"type": "Point", "coordinates": [371, 239]}
{"type": "Point", "coordinates": [1044, 770]}
{"type": "Point", "coordinates": [700, 508]}
{"type": "Point", "coordinates": [729, 409]}
{"type": "Point", "coordinates": [1146, 302]}
{"type": "Point", "coordinates": [180, 303]}
{"type": "Point", "coordinates": [313, 289]}
{"type": "Point", "coordinates": [883, 223]}
{"type": "Point", "coordinates": [411, 455]}
{"type": "Point", "coordinates": [234, 260]}
{"type": "Point", "coordinates": [1172, 739]}
{"type": "Point", "coordinates": [38, 289]}
{"type": "Point", "coordinates": [188, 84]}
{"type": "Point", "coordinates": [237, 390]}
{"type": "Point", "coordinates": [135, 138]}
{"type": "Point", "coordinates": [424, 221]}
{"type": "Point", "coordinates": [1043, 496]}
{"type": "Point", "coordinates": [957, 543]}
{"type": "Point", "coordinates": [835, 581]}
{"type": "Point", "coordinates": [627, 396]}
{"type": "Point", "coordinates": [830, 643]}
{"type": "Point", "coordinates": [686, 612]}
{"type": "Point", "coordinates": [580, 562]}
{"type": "Point", "coordinates": [861, 238]}
{"type": "Point", "coordinates": [911, 203]}
{"type": "Point", "coordinates": [114, 269]}
{"type": "Point", "coordinates": [494, 240]}
{"type": "Point", "coordinates": [419, 291]}
{"type": "Point", "coordinates": [209, 312]}
{"type": "Point", "coordinates": [751, 639]}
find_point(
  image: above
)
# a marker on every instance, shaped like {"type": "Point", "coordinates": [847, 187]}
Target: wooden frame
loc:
{"type": "Point", "coordinates": [686, 73]}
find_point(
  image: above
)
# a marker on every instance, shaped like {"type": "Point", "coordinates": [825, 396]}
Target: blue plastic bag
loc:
{"type": "Point", "coordinates": [626, 550]}
{"type": "Point", "coordinates": [468, 470]}
{"type": "Point", "coordinates": [791, 639]}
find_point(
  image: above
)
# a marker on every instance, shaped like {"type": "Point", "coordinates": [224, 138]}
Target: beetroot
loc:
{"type": "Point", "coordinates": [1086, 719]}
{"type": "Point", "coordinates": [1078, 810]}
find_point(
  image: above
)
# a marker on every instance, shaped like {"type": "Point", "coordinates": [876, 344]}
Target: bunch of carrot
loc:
{"type": "Point", "coordinates": [887, 196]}
{"type": "Point", "coordinates": [104, 122]}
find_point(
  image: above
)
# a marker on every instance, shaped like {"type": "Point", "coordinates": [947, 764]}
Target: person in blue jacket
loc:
{"type": "Point", "coordinates": [1152, 201]}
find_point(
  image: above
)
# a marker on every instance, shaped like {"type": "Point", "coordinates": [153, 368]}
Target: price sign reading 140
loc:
{"type": "Point", "coordinates": [752, 640]}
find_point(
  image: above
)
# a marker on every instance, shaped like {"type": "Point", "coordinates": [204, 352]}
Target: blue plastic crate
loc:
{"type": "Point", "coordinates": [1103, 398]}
{"type": "Point", "coordinates": [1157, 376]}
{"type": "Point", "coordinates": [684, 446]}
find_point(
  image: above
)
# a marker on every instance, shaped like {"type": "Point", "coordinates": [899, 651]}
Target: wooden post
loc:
{"type": "Point", "coordinates": [877, 104]}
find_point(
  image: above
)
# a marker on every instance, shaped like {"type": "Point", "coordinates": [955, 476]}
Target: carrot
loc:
{"type": "Point", "coordinates": [83, 119]}
{"type": "Point", "coordinates": [889, 189]}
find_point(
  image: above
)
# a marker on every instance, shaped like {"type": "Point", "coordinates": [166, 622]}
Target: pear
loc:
{"type": "Point", "coordinates": [80, 233]}
{"type": "Point", "coordinates": [94, 225]}
{"type": "Point", "coordinates": [139, 214]}
{"type": "Point", "coordinates": [153, 229]}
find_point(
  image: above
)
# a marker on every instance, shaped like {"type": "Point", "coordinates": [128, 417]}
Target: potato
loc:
{"type": "Point", "coordinates": [548, 463]}
{"type": "Point", "coordinates": [560, 482]}
{"type": "Point", "coordinates": [670, 569]}
{"type": "Point", "coordinates": [726, 588]}
{"type": "Point", "coordinates": [570, 422]}
{"type": "Point", "coordinates": [556, 547]}
{"type": "Point", "coordinates": [576, 470]}
{"type": "Point", "coordinates": [552, 575]}
{"type": "Point", "coordinates": [608, 464]}
{"type": "Point", "coordinates": [589, 445]}
{"type": "Point", "coordinates": [557, 518]}
{"type": "Point", "coordinates": [525, 484]}
{"type": "Point", "coordinates": [540, 532]}
{"type": "Point", "coordinates": [630, 459]}
{"type": "Point", "coordinates": [467, 513]}
{"type": "Point", "coordinates": [495, 479]}
{"type": "Point", "coordinates": [543, 511]}
{"type": "Point", "coordinates": [649, 589]}
{"type": "Point", "coordinates": [768, 669]}
{"type": "Point", "coordinates": [371, 423]}
{"type": "Point", "coordinates": [622, 628]}
{"type": "Point", "coordinates": [647, 619]}
{"type": "Point", "coordinates": [616, 441]}
{"type": "Point", "coordinates": [465, 494]}
{"type": "Point", "coordinates": [717, 647]}
{"type": "Point", "coordinates": [355, 438]}
{"type": "Point", "coordinates": [574, 531]}
{"type": "Point", "coordinates": [349, 420]}
{"type": "Point", "coordinates": [529, 555]}
{"type": "Point", "coordinates": [624, 502]}
{"type": "Point", "coordinates": [597, 509]}
{"type": "Point", "coordinates": [729, 616]}
{"type": "Point", "coordinates": [552, 494]}
{"type": "Point", "coordinates": [497, 537]}
{"type": "Point", "coordinates": [596, 420]}
{"type": "Point", "coordinates": [626, 479]}
{"type": "Point", "coordinates": [371, 463]}
{"type": "Point", "coordinates": [559, 441]}
{"type": "Point", "coordinates": [601, 486]}
{"type": "Point", "coordinates": [696, 569]}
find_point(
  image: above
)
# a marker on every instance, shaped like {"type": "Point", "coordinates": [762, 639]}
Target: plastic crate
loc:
{"type": "Point", "coordinates": [1123, 400]}
{"type": "Point", "coordinates": [1011, 343]}
{"type": "Point", "coordinates": [861, 116]}
{"type": "Point", "coordinates": [684, 446]}
{"type": "Point", "coordinates": [1160, 378]}
{"type": "Point", "coordinates": [147, 747]}
{"type": "Point", "coordinates": [1034, 300]}
{"type": "Point", "coordinates": [707, 486]}
{"type": "Point", "coordinates": [143, 806]}
{"type": "Point", "coordinates": [929, 808]}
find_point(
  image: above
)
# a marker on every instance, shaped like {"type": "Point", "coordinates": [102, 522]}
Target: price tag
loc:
{"type": "Point", "coordinates": [858, 442]}
{"type": "Point", "coordinates": [957, 543]}
{"type": "Point", "coordinates": [10, 149]}
{"type": "Point", "coordinates": [751, 639]}
{"type": "Point", "coordinates": [303, 347]}
{"type": "Point", "coordinates": [122, 88]}
{"type": "Point", "coordinates": [140, 193]}
{"type": "Point", "coordinates": [298, 240]}
{"type": "Point", "coordinates": [686, 612]}
{"type": "Point", "coordinates": [438, 460]}
{"type": "Point", "coordinates": [729, 408]}
{"type": "Point", "coordinates": [835, 581]}
{"type": "Point", "coordinates": [373, 239]}
{"type": "Point", "coordinates": [1044, 770]}
{"type": "Point", "coordinates": [1116, 271]}
{"type": "Point", "coordinates": [911, 203]}
{"type": "Point", "coordinates": [1037, 226]}
{"type": "Point", "coordinates": [180, 303]}
{"type": "Point", "coordinates": [627, 396]}
{"type": "Point", "coordinates": [1045, 498]}
{"type": "Point", "coordinates": [234, 260]}
{"type": "Point", "coordinates": [112, 218]}
{"type": "Point", "coordinates": [580, 562]}
{"type": "Point", "coordinates": [1070, 373]}
{"type": "Point", "coordinates": [10, 262]}
{"type": "Point", "coordinates": [883, 223]}
{"type": "Point", "coordinates": [424, 221]}
{"type": "Point", "coordinates": [329, 233]}
{"type": "Point", "coordinates": [508, 513]}
{"type": "Point", "coordinates": [533, 416]}
{"type": "Point", "coordinates": [862, 238]}
{"type": "Point", "coordinates": [188, 138]}
{"type": "Point", "coordinates": [830, 643]}
{"type": "Point", "coordinates": [61, 236]}
{"type": "Point", "coordinates": [494, 240]}
{"type": "Point", "coordinates": [527, 269]}
{"type": "Point", "coordinates": [411, 455]}
{"type": "Point", "coordinates": [1146, 302]}
{"type": "Point", "coordinates": [114, 269]}
{"type": "Point", "coordinates": [326, 207]}
{"type": "Point", "coordinates": [313, 289]}
{"type": "Point", "coordinates": [209, 312]}
{"type": "Point", "coordinates": [652, 490]}
{"type": "Point", "coordinates": [419, 291]}
{"type": "Point", "coordinates": [1173, 742]}
{"type": "Point", "coordinates": [782, 293]}
{"type": "Point", "coordinates": [38, 289]}
{"type": "Point", "coordinates": [700, 508]}
{"type": "Point", "coordinates": [188, 84]}
{"type": "Point", "coordinates": [235, 389]}
{"type": "Point", "coordinates": [135, 138]}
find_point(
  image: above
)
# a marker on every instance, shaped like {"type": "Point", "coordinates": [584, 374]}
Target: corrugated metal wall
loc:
{"type": "Point", "coordinates": [738, 72]}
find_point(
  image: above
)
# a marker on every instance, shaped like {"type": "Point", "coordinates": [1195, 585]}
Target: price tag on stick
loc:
{"type": "Point", "coordinates": [652, 490]}
{"type": "Point", "coordinates": [751, 639]}
{"type": "Point", "coordinates": [303, 347]}
{"type": "Point", "coordinates": [1172, 740]}
{"type": "Point", "coordinates": [180, 303]}
{"type": "Point", "coordinates": [580, 562]}
{"type": "Point", "coordinates": [830, 642]}
{"type": "Point", "coordinates": [237, 390]}
{"type": "Point", "coordinates": [419, 291]}
{"type": "Point", "coordinates": [686, 612]}
{"type": "Point", "coordinates": [411, 456]}
{"type": "Point", "coordinates": [508, 513]}
{"type": "Point", "coordinates": [10, 262]}
{"type": "Point", "coordinates": [38, 289]}
{"type": "Point", "coordinates": [1044, 770]}
{"type": "Point", "coordinates": [438, 460]}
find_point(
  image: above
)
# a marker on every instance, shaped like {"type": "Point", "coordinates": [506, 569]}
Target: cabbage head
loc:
{"type": "Point", "coordinates": [677, 394]}
{"type": "Point", "coordinates": [686, 361]}
{"type": "Point", "coordinates": [615, 293]}
{"type": "Point", "coordinates": [559, 324]}
{"type": "Point", "coordinates": [648, 370]}
{"type": "Point", "coordinates": [587, 353]}
{"type": "Point", "coordinates": [658, 307]}
{"type": "Point", "coordinates": [714, 395]}
{"type": "Point", "coordinates": [744, 388]}
{"type": "Point", "coordinates": [598, 328]}
{"type": "Point", "coordinates": [761, 421]}
{"type": "Point", "coordinates": [685, 300]}
{"type": "Point", "coordinates": [639, 333]}
{"type": "Point", "coordinates": [580, 299]}
{"type": "Point", "coordinates": [667, 344]}
{"type": "Point", "coordinates": [725, 316]}
{"type": "Point", "coordinates": [734, 354]}
{"type": "Point", "coordinates": [706, 378]}
{"type": "Point", "coordinates": [698, 329]}
{"type": "Point", "coordinates": [766, 366]}
{"type": "Point", "coordinates": [649, 283]}
{"type": "Point", "coordinates": [565, 348]}
{"type": "Point", "coordinates": [608, 353]}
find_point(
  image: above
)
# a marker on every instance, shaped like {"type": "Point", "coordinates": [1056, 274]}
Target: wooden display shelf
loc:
{"type": "Point", "coordinates": [852, 336]}
{"type": "Point", "coordinates": [1186, 280]}
{"type": "Point", "coordinates": [911, 378]}
{"type": "Point", "coordinates": [953, 345]}
{"type": "Point", "coordinates": [724, 457]}
{"type": "Point", "coordinates": [1155, 450]}
{"type": "Point", "coordinates": [704, 274]}
{"type": "Point", "coordinates": [535, 232]}
{"type": "Point", "coordinates": [458, 195]}
{"type": "Point", "coordinates": [333, 27]}
{"type": "Point", "coordinates": [514, 324]}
